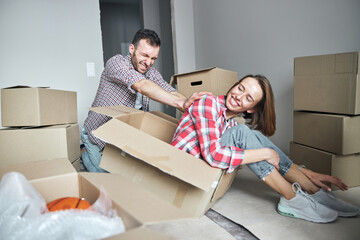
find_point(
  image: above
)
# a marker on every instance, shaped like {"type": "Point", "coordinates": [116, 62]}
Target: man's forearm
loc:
{"type": "Point", "coordinates": [156, 93]}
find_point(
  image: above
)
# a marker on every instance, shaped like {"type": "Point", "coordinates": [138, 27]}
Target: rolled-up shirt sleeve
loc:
{"type": "Point", "coordinates": [204, 114]}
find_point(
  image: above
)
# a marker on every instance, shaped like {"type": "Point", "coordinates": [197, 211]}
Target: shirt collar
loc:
{"type": "Point", "coordinates": [222, 107]}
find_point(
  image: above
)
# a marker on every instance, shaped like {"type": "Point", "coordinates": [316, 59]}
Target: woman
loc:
{"type": "Point", "coordinates": [207, 130]}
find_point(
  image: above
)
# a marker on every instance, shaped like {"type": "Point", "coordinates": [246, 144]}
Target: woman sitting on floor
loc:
{"type": "Point", "coordinates": [208, 131]}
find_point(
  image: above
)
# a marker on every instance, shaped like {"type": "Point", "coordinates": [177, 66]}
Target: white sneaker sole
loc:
{"type": "Point", "coordinates": [288, 212]}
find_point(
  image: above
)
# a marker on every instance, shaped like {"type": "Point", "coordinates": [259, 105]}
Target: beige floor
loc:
{"type": "Point", "coordinates": [193, 229]}
{"type": "Point", "coordinates": [252, 204]}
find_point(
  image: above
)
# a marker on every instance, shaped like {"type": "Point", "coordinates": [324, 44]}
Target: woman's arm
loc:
{"type": "Point", "coordinates": [207, 119]}
{"type": "Point", "coordinates": [257, 155]}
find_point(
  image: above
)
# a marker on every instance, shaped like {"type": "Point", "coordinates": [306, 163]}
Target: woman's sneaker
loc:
{"type": "Point", "coordinates": [328, 199]}
{"type": "Point", "coordinates": [303, 206]}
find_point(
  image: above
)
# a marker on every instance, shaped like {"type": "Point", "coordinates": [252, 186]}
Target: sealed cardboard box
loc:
{"type": "Point", "coordinates": [26, 106]}
{"type": "Point", "coordinates": [56, 178]}
{"type": "Point", "coordinates": [215, 80]}
{"type": "Point", "coordinates": [19, 145]}
{"type": "Point", "coordinates": [337, 134]}
{"type": "Point", "coordinates": [146, 158]}
{"type": "Point", "coordinates": [346, 167]}
{"type": "Point", "coordinates": [327, 83]}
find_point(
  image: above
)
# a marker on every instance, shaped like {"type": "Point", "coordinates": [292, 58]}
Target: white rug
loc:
{"type": "Point", "coordinates": [251, 203]}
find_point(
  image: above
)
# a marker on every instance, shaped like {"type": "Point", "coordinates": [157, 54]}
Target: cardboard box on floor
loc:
{"type": "Point", "coordinates": [27, 106]}
{"type": "Point", "coordinates": [215, 80]}
{"type": "Point", "coordinates": [19, 145]}
{"type": "Point", "coordinates": [337, 134]}
{"type": "Point", "coordinates": [138, 149]}
{"type": "Point", "coordinates": [327, 83]}
{"type": "Point", "coordinates": [346, 167]}
{"type": "Point", "coordinates": [57, 178]}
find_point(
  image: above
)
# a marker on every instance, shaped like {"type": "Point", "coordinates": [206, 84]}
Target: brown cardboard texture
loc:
{"type": "Point", "coordinates": [41, 143]}
{"type": "Point", "coordinates": [77, 164]}
{"type": "Point", "coordinates": [215, 80]}
{"type": "Point", "coordinates": [327, 83]}
{"type": "Point", "coordinates": [337, 134]}
{"type": "Point", "coordinates": [26, 106]}
{"type": "Point", "coordinates": [346, 167]}
{"type": "Point", "coordinates": [57, 178]}
{"type": "Point", "coordinates": [114, 111]}
{"type": "Point", "coordinates": [138, 149]}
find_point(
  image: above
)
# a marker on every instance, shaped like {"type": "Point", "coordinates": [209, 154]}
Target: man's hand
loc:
{"type": "Point", "coordinates": [193, 98]}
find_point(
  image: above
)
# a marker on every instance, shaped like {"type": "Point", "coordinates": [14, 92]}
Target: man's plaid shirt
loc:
{"type": "Point", "coordinates": [199, 133]}
{"type": "Point", "coordinates": [115, 89]}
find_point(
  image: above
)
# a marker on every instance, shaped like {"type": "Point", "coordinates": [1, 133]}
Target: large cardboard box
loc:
{"type": "Point", "coordinates": [327, 83]}
{"type": "Point", "coordinates": [337, 134]}
{"type": "Point", "coordinates": [215, 80]}
{"type": "Point", "coordinates": [57, 178]}
{"type": "Point", "coordinates": [26, 106]}
{"type": "Point", "coordinates": [138, 149]}
{"type": "Point", "coordinates": [19, 145]}
{"type": "Point", "coordinates": [346, 167]}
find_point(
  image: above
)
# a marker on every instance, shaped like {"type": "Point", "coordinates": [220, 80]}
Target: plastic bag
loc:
{"type": "Point", "coordinates": [23, 215]}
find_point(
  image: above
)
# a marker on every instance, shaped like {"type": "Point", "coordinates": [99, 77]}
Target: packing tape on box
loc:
{"type": "Point", "coordinates": [153, 160]}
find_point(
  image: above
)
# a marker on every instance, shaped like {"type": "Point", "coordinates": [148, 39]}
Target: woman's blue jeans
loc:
{"type": "Point", "coordinates": [245, 138]}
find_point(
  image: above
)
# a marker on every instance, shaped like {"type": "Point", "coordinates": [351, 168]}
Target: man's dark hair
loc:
{"type": "Point", "coordinates": [150, 35]}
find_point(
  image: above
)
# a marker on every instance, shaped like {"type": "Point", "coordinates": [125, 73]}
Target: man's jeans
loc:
{"type": "Point", "coordinates": [243, 137]}
{"type": "Point", "coordinates": [92, 156]}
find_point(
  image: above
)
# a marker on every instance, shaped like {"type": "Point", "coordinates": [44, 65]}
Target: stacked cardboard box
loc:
{"type": "Point", "coordinates": [41, 124]}
{"type": "Point", "coordinates": [327, 115]}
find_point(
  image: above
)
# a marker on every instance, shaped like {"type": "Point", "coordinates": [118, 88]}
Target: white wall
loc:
{"type": "Point", "coordinates": [264, 37]}
{"type": "Point", "coordinates": [48, 43]}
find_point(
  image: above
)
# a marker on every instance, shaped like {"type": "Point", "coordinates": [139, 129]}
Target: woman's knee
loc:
{"type": "Point", "coordinates": [235, 135]}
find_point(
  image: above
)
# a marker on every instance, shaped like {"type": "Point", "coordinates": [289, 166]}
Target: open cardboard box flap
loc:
{"type": "Point", "coordinates": [114, 111]}
{"type": "Point", "coordinates": [41, 169]}
{"type": "Point", "coordinates": [143, 205]}
{"type": "Point", "coordinates": [128, 134]}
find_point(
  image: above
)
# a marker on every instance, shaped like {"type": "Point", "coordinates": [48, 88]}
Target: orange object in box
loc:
{"type": "Point", "coordinates": [68, 203]}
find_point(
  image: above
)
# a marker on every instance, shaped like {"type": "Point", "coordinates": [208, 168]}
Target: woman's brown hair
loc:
{"type": "Point", "coordinates": [264, 117]}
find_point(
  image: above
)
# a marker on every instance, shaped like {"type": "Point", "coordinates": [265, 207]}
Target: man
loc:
{"type": "Point", "coordinates": [129, 81]}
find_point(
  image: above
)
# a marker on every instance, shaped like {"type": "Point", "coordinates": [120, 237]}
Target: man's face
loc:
{"type": "Point", "coordinates": [144, 56]}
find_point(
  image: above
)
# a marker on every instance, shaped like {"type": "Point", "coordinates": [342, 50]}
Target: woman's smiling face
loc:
{"type": "Point", "coordinates": [243, 97]}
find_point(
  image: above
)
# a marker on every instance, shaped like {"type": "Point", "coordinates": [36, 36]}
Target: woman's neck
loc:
{"type": "Point", "coordinates": [230, 114]}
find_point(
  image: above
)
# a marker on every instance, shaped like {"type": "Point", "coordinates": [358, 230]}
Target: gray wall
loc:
{"type": "Point", "coordinates": [119, 23]}
{"type": "Point", "coordinates": [264, 36]}
{"type": "Point", "coordinates": [157, 16]}
{"type": "Point", "coordinates": [48, 43]}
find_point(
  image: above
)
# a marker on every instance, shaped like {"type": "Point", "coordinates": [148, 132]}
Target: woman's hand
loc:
{"type": "Point", "coordinates": [320, 179]}
{"type": "Point", "coordinates": [273, 158]}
